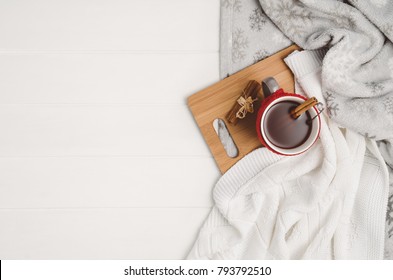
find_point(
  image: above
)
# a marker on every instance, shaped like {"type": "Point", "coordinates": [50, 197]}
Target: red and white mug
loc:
{"type": "Point", "coordinates": [273, 95]}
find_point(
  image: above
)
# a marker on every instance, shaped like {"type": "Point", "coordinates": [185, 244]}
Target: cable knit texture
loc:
{"type": "Point", "coordinates": [302, 207]}
{"type": "Point", "coordinates": [357, 71]}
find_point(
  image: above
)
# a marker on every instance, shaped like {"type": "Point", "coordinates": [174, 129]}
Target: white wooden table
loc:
{"type": "Point", "coordinates": [100, 157]}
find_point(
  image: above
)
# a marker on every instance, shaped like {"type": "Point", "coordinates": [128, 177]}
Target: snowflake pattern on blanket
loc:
{"type": "Point", "coordinates": [331, 104]}
{"type": "Point", "coordinates": [389, 217]}
{"type": "Point", "coordinates": [236, 5]}
{"type": "Point", "coordinates": [257, 20]}
{"type": "Point", "coordinates": [260, 54]}
{"type": "Point", "coordinates": [292, 18]}
{"type": "Point", "coordinates": [388, 102]}
{"type": "Point", "coordinates": [253, 36]}
{"type": "Point", "coordinates": [239, 45]}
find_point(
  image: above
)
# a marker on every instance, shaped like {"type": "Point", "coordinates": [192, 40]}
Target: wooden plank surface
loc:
{"type": "Point", "coordinates": [98, 130]}
{"type": "Point", "coordinates": [102, 233]}
{"type": "Point", "coordinates": [105, 78]}
{"type": "Point", "coordinates": [109, 25]}
{"type": "Point", "coordinates": [217, 100]}
{"type": "Point", "coordinates": [99, 159]}
{"type": "Point", "coordinates": [97, 181]}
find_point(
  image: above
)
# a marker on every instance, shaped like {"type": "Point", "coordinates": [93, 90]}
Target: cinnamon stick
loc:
{"type": "Point", "coordinates": [302, 108]}
{"type": "Point", "coordinates": [251, 90]}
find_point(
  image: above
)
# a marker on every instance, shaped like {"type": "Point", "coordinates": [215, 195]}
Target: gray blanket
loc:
{"type": "Point", "coordinates": [357, 71]}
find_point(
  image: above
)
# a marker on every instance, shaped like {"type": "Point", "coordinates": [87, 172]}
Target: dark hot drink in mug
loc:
{"type": "Point", "coordinates": [282, 129]}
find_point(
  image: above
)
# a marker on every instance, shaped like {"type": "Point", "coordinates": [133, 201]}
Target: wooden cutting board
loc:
{"type": "Point", "coordinates": [217, 100]}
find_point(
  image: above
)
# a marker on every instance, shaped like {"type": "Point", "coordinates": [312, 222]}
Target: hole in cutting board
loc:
{"type": "Point", "coordinates": [225, 138]}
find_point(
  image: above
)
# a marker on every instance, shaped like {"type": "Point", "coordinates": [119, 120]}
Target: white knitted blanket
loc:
{"type": "Point", "coordinates": [357, 72]}
{"type": "Point", "coordinates": [328, 203]}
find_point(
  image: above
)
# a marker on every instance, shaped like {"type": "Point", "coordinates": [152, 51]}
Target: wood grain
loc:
{"type": "Point", "coordinates": [98, 130]}
{"type": "Point", "coordinates": [94, 182]}
{"type": "Point", "coordinates": [99, 233]}
{"type": "Point", "coordinates": [110, 78]}
{"type": "Point", "coordinates": [109, 25]}
{"type": "Point", "coordinates": [104, 159]}
{"type": "Point", "coordinates": [217, 100]}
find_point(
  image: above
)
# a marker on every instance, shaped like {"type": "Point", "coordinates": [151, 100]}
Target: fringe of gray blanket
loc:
{"type": "Point", "coordinates": [357, 71]}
